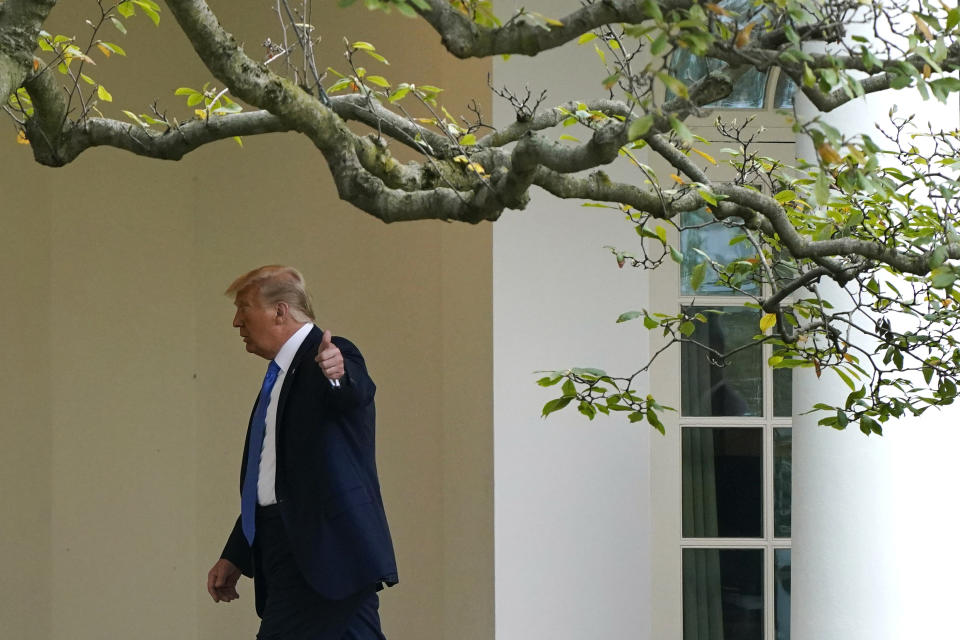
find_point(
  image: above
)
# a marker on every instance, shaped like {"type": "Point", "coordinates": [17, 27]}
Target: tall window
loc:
{"type": "Point", "coordinates": [735, 439]}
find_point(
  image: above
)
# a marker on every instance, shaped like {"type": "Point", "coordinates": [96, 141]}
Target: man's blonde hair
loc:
{"type": "Point", "coordinates": [277, 283]}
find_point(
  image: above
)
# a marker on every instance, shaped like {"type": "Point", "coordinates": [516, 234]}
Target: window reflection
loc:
{"type": "Point", "coordinates": [781, 593]}
{"type": "Point", "coordinates": [734, 388]}
{"type": "Point", "coordinates": [722, 594]}
{"type": "Point", "coordinates": [786, 87]}
{"type": "Point", "coordinates": [722, 482]}
{"type": "Point", "coordinates": [713, 238]}
{"type": "Point", "coordinates": [782, 481]}
{"type": "Point", "coordinates": [748, 92]}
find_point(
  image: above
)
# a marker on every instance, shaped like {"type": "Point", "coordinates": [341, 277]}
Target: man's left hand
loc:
{"type": "Point", "coordinates": [329, 358]}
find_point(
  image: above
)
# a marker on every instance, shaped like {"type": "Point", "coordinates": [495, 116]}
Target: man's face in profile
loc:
{"type": "Point", "coordinates": [257, 323]}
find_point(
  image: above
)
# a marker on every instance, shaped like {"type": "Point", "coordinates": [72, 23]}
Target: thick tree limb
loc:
{"type": "Point", "coordinates": [20, 24]}
{"type": "Point", "coordinates": [256, 85]}
{"type": "Point", "coordinates": [465, 39]}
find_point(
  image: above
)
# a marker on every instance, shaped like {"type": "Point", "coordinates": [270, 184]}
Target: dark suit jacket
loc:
{"type": "Point", "coordinates": [327, 486]}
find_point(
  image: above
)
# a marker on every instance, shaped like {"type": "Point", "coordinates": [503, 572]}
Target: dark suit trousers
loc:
{"type": "Point", "coordinates": [293, 610]}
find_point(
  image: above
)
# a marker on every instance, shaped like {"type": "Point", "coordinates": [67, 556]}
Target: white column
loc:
{"type": "Point", "coordinates": [571, 497]}
{"type": "Point", "coordinates": [873, 518]}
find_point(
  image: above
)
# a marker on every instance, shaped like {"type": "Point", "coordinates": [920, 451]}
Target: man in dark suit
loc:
{"type": "Point", "coordinates": [312, 530]}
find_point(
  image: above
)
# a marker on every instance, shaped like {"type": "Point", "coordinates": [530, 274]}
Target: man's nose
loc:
{"type": "Point", "coordinates": [236, 319]}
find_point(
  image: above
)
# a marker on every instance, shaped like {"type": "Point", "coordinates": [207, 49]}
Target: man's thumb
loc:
{"type": "Point", "coordinates": [326, 341]}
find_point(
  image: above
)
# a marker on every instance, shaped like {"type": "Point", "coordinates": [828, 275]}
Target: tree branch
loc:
{"type": "Point", "coordinates": [465, 39]}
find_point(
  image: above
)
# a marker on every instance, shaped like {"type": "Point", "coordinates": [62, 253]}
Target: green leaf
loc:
{"type": "Point", "coordinates": [119, 25]}
{"type": "Point", "coordinates": [380, 81]}
{"type": "Point", "coordinates": [468, 140]}
{"type": "Point", "coordinates": [238, 140]}
{"type": "Point", "coordinates": [629, 315]}
{"type": "Point", "coordinates": [134, 117]}
{"type": "Point", "coordinates": [587, 409]}
{"type": "Point", "coordinates": [942, 277]}
{"type": "Point", "coordinates": [681, 129]}
{"type": "Point", "coordinates": [640, 127]}
{"type": "Point", "coordinates": [697, 275]}
{"type": "Point", "coordinates": [568, 388]}
{"type": "Point", "coordinates": [822, 189]}
{"type": "Point", "coordinates": [103, 94]}
{"type": "Point", "coordinates": [365, 46]}
{"type": "Point", "coordinates": [868, 425]}
{"type": "Point", "coordinates": [655, 421]}
{"type": "Point", "coordinates": [586, 37]}
{"type": "Point", "coordinates": [149, 8]}
{"type": "Point", "coordinates": [126, 9]}
{"type": "Point", "coordinates": [376, 56]}
{"type": "Point", "coordinates": [398, 94]}
{"type": "Point", "coordinates": [549, 381]}
{"type": "Point", "coordinates": [555, 405]}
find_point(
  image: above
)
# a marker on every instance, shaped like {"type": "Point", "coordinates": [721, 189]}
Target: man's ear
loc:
{"type": "Point", "coordinates": [282, 311]}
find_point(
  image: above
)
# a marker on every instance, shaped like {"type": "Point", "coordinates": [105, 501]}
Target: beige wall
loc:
{"type": "Point", "coordinates": [126, 392]}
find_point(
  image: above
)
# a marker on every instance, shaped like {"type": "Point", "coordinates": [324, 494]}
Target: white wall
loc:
{"type": "Point", "coordinates": [571, 497]}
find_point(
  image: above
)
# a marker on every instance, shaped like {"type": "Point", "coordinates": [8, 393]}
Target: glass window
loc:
{"type": "Point", "coordinates": [782, 392]}
{"type": "Point", "coordinates": [722, 482]}
{"type": "Point", "coordinates": [782, 481]}
{"type": "Point", "coordinates": [748, 92]}
{"type": "Point", "coordinates": [713, 238]}
{"type": "Point", "coordinates": [723, 594]}
{"type": "Point", "coordinates": [732, 388]}
{"type": "Point", "coordinates": [781, 593]}
{"type": "Point", "coordinates": [786, 87]}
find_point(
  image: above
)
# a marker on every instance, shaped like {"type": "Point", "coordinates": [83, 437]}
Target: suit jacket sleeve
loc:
{"type": "Point", "coordinates": [356, 388]}
{"type": "Point", "coordinates": [237, 550]}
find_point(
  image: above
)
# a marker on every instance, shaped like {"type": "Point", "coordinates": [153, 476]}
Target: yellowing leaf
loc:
{"type": "Point", "coordinates": [743, 36]}
{"type": "Point", "coordinates": [676, 178]}
{"type": "Point", "coordinates": [103, 50]}
{"type": "Point", "coordinates": [926, 71]}
{"type": "Point", "coordinates": [922, 26]}
{"type": "Point", "coordinates": [103, 94]}
{"type": "Point", "coordinates": [767, 321]}
{"type": "Point", "coordinates": [201, 113]}
{"type": "Point", "coordinates": [36, 63]}
{"type": "Point", "coordinates": [22, 138]}
{"type": "Point", "coordinates": [704, 155]}
{"type": "Point", "coordinates": [717, 9]}
{"type": "Point", "coordinates": [828, 153]}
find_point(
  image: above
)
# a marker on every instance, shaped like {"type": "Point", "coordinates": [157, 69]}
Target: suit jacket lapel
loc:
{"type": "Point", "coordinates": [302, 358]}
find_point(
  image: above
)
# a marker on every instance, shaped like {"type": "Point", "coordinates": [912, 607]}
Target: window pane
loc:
{"type": "Point", "coordinates": [748, 92]}
{"type": "Point", "coordinates": [782, 392]}
{"type": "Point", "coordinates": [713, 238]}
{"type": "Point", "coordinates": [722, 482]}
{"type": "Point", "coordinates": [783, 99]}
{"type": "Point", "coordinates": [734, 389]}
{"type": "Point", "coordinates": [781, 593]}
{"type": "Point", "coordinates": [782, 479]}
{"type": "Point", "coordinates": [722, 594]}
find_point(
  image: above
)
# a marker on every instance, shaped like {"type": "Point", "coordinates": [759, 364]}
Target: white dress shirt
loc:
{"type": "Point", "coordinates": [267, 481]}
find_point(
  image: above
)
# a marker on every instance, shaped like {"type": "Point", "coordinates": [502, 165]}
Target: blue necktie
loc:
{"type": "Point", "coordinates": [258, 428]}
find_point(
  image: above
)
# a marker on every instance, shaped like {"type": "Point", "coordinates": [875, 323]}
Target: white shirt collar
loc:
{"type": "Point", "coordinates": [291, 346]}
